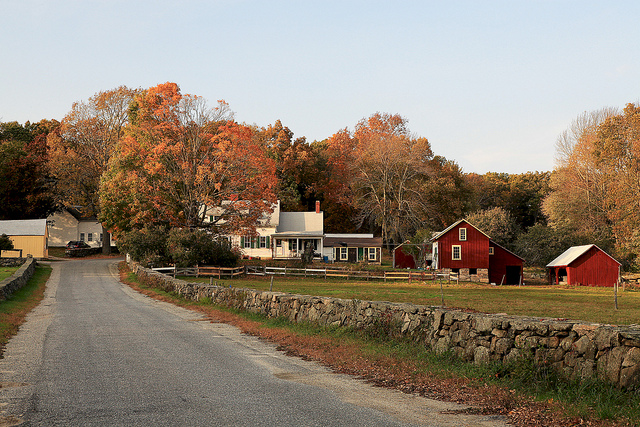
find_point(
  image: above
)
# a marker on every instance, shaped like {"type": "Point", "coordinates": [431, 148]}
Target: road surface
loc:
{"type": "Point", "coordinates": [95, 352]}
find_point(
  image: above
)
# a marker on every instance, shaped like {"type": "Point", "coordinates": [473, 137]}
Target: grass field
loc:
{"type": "Point", "coordinates": [577, 303]}
{"type": "Point", "coordinates": [14, 309]}
{"type": "Point", "coordinates": [7, 272]}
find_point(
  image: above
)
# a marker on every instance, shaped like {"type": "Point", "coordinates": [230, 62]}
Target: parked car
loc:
{"type": "Point", "coordinates": [77, 244]}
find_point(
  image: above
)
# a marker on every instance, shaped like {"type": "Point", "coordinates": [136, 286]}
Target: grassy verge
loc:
{"type": "Point", "coordinates": [525, 393]}
{"type": "Point", "coordinates": [7, 272]}
{"type": "Point", "coordinates": [15, 309]}
{"type": "Point", "coordinates": [590, 304]}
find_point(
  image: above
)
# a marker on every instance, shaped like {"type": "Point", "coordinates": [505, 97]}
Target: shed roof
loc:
{"type": "Point", "coordinates": [352, 240]}
{"type": "Point", "coordinates": [573, 253]}
{"type": "Point", "coordinates": [24, 227]}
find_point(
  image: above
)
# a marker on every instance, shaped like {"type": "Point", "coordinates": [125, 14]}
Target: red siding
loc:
{"type": "Point", "coordinates": [498, 263]}
{"type": "Point", "coordinates": [403, 260]}
{"type": "Point", "coordinates": [593, 268]}
{"type": "Point", "coordinates": [475, 250]}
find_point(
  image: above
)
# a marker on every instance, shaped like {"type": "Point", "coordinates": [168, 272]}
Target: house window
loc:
{"type": "Point", "coordinates": [372, 254]}
{"type": "Point", "coordinates": [456, 252]}
{"type": "Point", "coordinates": [101, 237]}
{"type": "Point", "coordinates": [263, 241]}
{"type": "Point", "coordinates": [82, 237]}
{"type": "Point", "coordinates": [344, 254]}
{"type": "Point", "coordinates": [491, 250]}
{"type": "Point", "coordinates": [247, 242]}
{"type": "Point", "coordinates": [462, 234]}
{"type": "Point", "coordinates": [89, 237]}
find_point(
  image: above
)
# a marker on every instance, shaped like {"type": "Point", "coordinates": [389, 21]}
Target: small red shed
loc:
{"type": "Point", "coordinates": [586, 265]}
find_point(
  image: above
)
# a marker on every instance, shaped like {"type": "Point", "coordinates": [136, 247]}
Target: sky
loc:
{"type": "Point", "coordinates": [491, 84]}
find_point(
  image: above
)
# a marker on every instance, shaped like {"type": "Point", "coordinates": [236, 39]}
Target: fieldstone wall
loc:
{"type": "Point", "coordinates": [9, 285]}
{"type": "Point", "coordinates": [578, 349]}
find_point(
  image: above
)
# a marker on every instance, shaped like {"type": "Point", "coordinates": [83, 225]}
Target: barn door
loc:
{"type": "Point", "coordinates": [513, 275]}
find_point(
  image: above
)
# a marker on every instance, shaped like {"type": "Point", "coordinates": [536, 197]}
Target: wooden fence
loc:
{"type": "Point", "coordinates": [259, 270]}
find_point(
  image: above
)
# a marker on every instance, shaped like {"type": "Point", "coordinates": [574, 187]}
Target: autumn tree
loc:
{"type": "Point", "coordinates": [299, 166]}
{"type": "Point", "coordinates": [180, 158]}
{"type": "Point", "coordinates": [616, 150]}
{"type": "Point", "coordinates": [391, 177]}
{"type": "Point", "coordinates": [497, 223]}
{"type": "Point", "coordinates": [521, 195]}
{"type": "Point", "coordinates": [27, 189]}
{"type": "Point", "coordinates": [81, 150]}
{"type": "Point", "coordinates": [578, 197]}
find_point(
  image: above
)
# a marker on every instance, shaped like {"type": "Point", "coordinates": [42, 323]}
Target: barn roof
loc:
{"type": "Point", "coordinates": [454, 225]}
{"type": "Point", "coordinates": [24, 227]}
{"type": "Point", "coordinates": [573, 253]}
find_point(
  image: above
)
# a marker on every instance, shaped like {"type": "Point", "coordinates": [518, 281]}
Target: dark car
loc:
{"type": "Point", "coordinates": [77, 244]}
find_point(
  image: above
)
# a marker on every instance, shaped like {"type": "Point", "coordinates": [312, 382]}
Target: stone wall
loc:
{"type": "Point", "coordinates": [578, 349]}
{"type": "Point", "coordinates": [9, 285]}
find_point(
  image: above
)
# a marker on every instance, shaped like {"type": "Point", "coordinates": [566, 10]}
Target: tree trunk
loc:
{"type": "Point", "coordinates": [106, 242]}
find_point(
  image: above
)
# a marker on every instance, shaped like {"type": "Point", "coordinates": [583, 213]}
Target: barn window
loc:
{"type": "Point", "coordinates": [473, 271]}
{"type": "Point", "coordinates": [491, 250]}
{"type": "Point", "coordinates": [456, 252]}
{"type": "Point", "coordinates": [462, 234]}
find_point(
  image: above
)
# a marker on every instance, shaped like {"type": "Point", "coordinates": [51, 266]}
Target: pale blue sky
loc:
{"type": "Point", "coordinates": [491, 84]}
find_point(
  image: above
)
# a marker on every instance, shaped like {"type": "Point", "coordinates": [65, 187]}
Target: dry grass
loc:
{"type": "Point", "coordinates": [14, 310]}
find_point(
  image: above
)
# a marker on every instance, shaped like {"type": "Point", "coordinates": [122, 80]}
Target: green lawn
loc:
{"type": "Point", "coordinates": [577, 303]}
{"type": "Point", "coordinates": [7, 272]}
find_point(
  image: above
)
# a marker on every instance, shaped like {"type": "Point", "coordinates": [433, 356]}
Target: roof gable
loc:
{"type": "Point", "coordinates": [454, 225]}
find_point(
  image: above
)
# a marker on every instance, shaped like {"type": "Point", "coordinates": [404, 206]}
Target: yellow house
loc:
{"type": "Point", "coordinates": [28, 235]}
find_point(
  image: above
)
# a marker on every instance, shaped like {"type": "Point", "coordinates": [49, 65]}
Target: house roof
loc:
{"type": "Point", "coordinates": [352, 240]}
{"type": "Point", "coordinates": [573, 253]}
{"type": "Point", "coordinates": [24, 227]}
{"type": "Point", "coordinates": [300, 224]}
{"type": "Point", "coordinates": [454, 225]}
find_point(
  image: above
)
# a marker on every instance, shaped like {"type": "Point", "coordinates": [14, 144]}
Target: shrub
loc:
{"type": "Point", "coordinates": [187, 248]}
{"type": "Point", "coordinates": [159, 246]}
{"type": "Point", "coordinates": [5, 243]}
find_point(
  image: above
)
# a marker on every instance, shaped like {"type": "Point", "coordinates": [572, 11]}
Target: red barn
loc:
{"type": "Point", "coordinates": [586, 265]}
{"type": "Point", "coordinates": [464, 249]}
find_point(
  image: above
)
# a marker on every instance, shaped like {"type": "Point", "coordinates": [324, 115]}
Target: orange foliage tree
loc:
{"type": "Point", "coordinates": [390, 176]}
{"type": "Point", "coordinates": [178, 160]}
{"type": "Point", "coordinates": [81, 148]}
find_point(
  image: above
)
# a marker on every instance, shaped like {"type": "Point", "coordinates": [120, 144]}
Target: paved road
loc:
{"type": "Point", "coordinates": [97, 353]}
